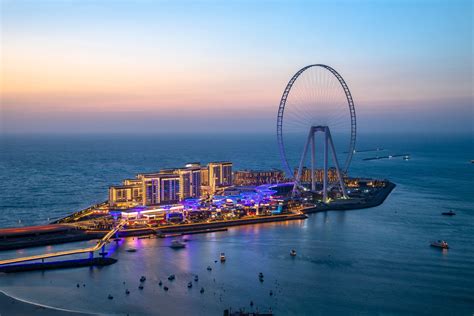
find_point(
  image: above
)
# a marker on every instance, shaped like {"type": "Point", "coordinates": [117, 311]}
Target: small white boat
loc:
{"type": "Point", "coordinates": [177, 244]}
{"type": "Point", "coordinates": [440, 244]}
{"type": "Point", "coordinates": [222, 257]}
{"type": "Point", "coordinates": [293, 253]}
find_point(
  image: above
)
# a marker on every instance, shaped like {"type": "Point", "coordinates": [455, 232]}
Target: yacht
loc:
{"type": "Point", "coordinates": [440, 244]}
{"type": "Point", "coordinates": [222, 257]}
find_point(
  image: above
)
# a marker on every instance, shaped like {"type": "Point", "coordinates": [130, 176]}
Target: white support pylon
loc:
{"type": "Point", "coordinates": [328, 146]}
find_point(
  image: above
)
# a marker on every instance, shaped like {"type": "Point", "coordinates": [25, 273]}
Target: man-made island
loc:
{"type": "Point", "coordinates": [199, 198]}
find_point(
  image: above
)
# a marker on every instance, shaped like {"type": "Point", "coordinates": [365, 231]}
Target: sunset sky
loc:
{"type": "Point", "coordinates": [207, 66]}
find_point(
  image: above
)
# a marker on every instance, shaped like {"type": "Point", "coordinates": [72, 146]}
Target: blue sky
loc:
{"type": "Point", "coordinates": [178, 66]}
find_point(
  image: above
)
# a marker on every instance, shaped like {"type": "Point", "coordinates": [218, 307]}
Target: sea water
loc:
{"type": "Point", "coordinates": [371, 261]}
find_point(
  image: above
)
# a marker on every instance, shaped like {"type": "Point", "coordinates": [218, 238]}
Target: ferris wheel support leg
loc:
{"type": "Point", "coordinates": [336, 163]}
{"type": "Point", "coordinates": [313, 162]}
{"type": "Point", "coordinates": [325, 176]}
{"type": "Point", "coordinates": [305, 151]}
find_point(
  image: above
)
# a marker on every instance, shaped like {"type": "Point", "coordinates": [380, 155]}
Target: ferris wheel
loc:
{"type": "Point", "coordinates": [316, 100]}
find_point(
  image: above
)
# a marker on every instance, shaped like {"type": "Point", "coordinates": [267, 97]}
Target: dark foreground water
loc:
{"type": "Point", "coordinates": [373, 261]}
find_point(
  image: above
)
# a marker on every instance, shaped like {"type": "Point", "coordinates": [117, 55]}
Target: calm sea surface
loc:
{"type": "Point", "coordinates": [373, 261]}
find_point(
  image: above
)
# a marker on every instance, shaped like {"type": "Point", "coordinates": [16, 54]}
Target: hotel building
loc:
{"type": "Point", "coordinates": [220, 175]}
{"type": "Point", "coordinates": [169, 186]}
{"type": "Point", "coordinates": [127, 195]}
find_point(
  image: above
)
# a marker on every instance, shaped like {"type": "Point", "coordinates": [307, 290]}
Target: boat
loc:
{"type": "Point", "coordinates": [209, 268]}
{"type": "Point", "coordinates": [127, 291]}
{"type": "Point", "coordinates": [131, 250]}
{"type": "Point", "coordinates": [110, 297]}
{"type": "Point", "coordinates": [190, 285]}
{"type": "Point", "coordinates": [176, 244]}
{"type": "Point", "coordinates": [140, 287]}
{"type": "Point", "coordinates": [202, 290]}
{"type": "Point", "coordinates": [171, 277]}
{"type": "Point", "coordinates": [165, 288]}
{"type": "Point", "coordinates": [196, 278]}
{"type": "Point", "coordinates": [260, 276]}
{"type": "Point", "coordinates": [406, 157]}
{"type": "Point", "coordinates": [293, 252]}
{"type": "Point", "coordinates": [142, 279]}
{"type": "Point", "coordinates": [440, 244]}
{"type": "Point", "coordinates": [450, 213]}
{"type": "Point", "coordinates": [222, 257]}
{"type": "Point", "coordinates": [160, 283]}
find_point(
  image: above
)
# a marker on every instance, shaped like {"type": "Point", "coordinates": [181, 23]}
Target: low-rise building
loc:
{"type": "Point", "coordinates": [319, 173]}
{"type": "Point", "coordinates": [258, 177]}
{"type": "Point", "coordinates": [127, 195]}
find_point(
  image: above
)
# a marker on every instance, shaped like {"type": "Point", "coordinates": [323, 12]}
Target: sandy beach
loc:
{"type": "Point", "coordinates": [10, 306]}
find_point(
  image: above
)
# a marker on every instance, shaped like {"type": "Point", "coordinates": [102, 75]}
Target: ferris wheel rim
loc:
{"type": "Point", "coordinates": [281, 110]}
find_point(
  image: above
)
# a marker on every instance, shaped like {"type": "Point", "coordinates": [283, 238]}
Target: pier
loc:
{"type": "Point", "coordinates": [100, 245]}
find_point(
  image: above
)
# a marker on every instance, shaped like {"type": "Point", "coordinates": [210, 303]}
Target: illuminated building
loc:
{"type": "Point", "coordinates": [190, 181]}
{"type": "Point", "coordinates": [319, 173]}
{"type": "Point", "coordinates": [127, 195]}
{"type": "Point", "coordinates": [160, 188]}
{"type": "Point", "coordinates": [258, 177]}
{"type": "Point", "coordinates": [171, 185]}
{"type": "Point", "coordinates": [220, 175]}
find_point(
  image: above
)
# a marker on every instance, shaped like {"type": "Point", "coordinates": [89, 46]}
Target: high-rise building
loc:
{"type": "Point", "coordinates": [160, 188]}
{"type": "Point", "coordinates": [190, 180]}
{"type": "Point", "coordinates": [220, 175]}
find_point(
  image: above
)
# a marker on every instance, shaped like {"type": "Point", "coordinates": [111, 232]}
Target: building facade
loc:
{"type": "Point", "coordinates": [170, 186]}
{"type": "Point", "coordinates": [258, 177]}
{"type": "Point", "coordinates": [220, 175]}
{"type": "Point", "coordinates": [319, 173]}
{"type": "Point", "coordinates": [126, 195]}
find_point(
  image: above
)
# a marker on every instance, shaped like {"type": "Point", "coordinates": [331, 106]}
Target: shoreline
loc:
{"type": "Point", "coordinates": [14, 306]}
